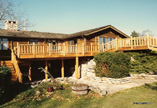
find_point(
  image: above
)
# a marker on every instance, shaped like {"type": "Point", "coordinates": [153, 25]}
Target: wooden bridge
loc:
{"type": "Point", "coordinates": [28, 51]}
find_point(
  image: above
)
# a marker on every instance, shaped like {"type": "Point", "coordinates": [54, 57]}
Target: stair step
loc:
{"type": "Point", "coordinates": [13, 72]}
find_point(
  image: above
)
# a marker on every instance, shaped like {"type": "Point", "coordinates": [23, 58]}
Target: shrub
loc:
{"type": "Point", "coordinates": [112, 64]}
{"type": "Point", "coordinates": [144, 62]}
{"type": "Point", "coordinates": [5, 77]}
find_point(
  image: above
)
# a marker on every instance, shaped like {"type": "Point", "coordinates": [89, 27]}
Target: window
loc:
{"type": "Point", "coordinates": [3, 44]}
{"type": "Point", "coordinates": [33, 40]}
{"type": "Point", "coordinates": [105, 40]}
{"type": "Point", "coordinates": [72, 42]}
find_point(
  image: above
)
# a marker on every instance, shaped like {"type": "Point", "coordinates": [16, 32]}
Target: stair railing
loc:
{"type": "Point", "coordinates": [16, 66]}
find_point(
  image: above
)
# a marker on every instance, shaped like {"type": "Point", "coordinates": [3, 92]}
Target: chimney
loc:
{"type": "Point", "coordinates": [11, 25]}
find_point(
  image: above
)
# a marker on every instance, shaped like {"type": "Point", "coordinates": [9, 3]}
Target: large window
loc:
{"type": "Point", "coordinates": [3, 44]}
{"type": "Point", "coordinates": [105, 40]}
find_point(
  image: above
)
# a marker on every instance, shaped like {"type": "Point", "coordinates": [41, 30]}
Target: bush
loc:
{"type": "Point", "coordinates": [5, 77]}
{"type": "Point", "coordinates": [112, 64]}
{"type": "Point", "coordinates": [144, 62]}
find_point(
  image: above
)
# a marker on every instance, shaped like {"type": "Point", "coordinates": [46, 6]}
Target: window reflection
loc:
{"type": "Point", "coordinates": [3, 44]}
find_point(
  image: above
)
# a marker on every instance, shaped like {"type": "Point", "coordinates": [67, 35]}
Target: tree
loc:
{"type": "Point", "coordinates": [8, 12]}
{"type": "Point", "coordinates": [135, 34]}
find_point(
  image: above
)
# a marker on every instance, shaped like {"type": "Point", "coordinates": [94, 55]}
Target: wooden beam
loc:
{"type": "Point", "coordinates": [29, 75]}
{"type": "Point", "coordinates": [76, 68]}
{"type": "Point", "coordinates": [62, 69]}
{"type": "Point", "coordinates": [46, 68]}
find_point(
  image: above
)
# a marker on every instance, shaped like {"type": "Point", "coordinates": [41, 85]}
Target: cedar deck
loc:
{"type": "Point", "coordinates": [27, 51]}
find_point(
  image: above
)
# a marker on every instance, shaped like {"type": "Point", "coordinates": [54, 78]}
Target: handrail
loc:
{"type": "Point", "coordinates": [16, 66]}
{"type": "Point", "coordinates": [114, 45]}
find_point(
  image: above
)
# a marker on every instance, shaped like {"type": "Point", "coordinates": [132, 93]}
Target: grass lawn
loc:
{"type": "Point", "coordinates": [65, 99]}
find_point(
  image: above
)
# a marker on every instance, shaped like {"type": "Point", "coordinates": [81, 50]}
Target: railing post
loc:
{"type": "Point", "coordinates": [148, 41]}
{"type": "Point", "coordinates": [33, 49]}
{"type": "Point", "coordinates": [116, 43]}
{"type": "Point", "coordinates": [131, 42]}
{"type": "Point", "coordinates": [64, 49]}
{"type": "Point", "coordinates": [18, 49]}
{"type": "Point", "coordinates": [98, 48]}
{"type": "Point", "coordinates": [12, 58]}
{"type": "Point", "coordinates": [45, 49]}
{"type": "Point", "coordinates": [91, 48]}
{"type": "Point", "coordinates": [49, 49]}
{"type": "Point", "coordinates": [83, 48]}
{"type": "Point", "coordinates": [76, 50]}
{"type": "Point", "coordinates": [103, 47]}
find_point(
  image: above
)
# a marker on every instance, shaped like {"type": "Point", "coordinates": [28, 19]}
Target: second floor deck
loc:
{"type": "Point", "coordinates": [28, 51]}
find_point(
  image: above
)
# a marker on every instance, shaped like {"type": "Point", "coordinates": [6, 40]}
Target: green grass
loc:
{"type": "Point", "coordinates": [65, 99]}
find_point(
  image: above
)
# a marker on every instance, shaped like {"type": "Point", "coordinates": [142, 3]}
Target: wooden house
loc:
{"type": "Point", "coordinates": [25, 51]}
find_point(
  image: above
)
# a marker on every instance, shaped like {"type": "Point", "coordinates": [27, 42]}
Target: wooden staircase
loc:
{"type": "Point", "coordinates": [13, 73]}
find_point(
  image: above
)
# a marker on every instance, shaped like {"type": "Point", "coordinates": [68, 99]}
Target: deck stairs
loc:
{"type": "Point", "coordinates": [13, 72]}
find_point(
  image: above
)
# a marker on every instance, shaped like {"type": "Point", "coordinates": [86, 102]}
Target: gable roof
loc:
{"type": "Point", "coordinates": [34, 34]}
{"type": "Point", "coordinates": [95, 30]}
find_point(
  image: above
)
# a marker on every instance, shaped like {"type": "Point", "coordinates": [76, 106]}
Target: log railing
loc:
{"type": "Point", "coordinates": [114, 45]}
{"type": "Point", "coordinates": [16, 66]}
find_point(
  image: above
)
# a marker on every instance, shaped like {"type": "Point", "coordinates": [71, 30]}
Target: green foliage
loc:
{"type": "Point", "coordinates": [134, 34]}
{"type": "Point", "coordinates": [114, 65]}
{"type": "Point", "coordinates": [5, 77]}
{"type": "Point", "coordinates": [144, 62]}
{"type": "Point", "coordinates": [65, 99]}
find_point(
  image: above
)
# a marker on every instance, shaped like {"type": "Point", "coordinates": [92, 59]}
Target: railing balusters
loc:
{"type": "Point", "coordinates": [48, 49]}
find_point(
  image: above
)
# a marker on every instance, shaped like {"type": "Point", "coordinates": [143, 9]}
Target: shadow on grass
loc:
{"type": "Point", "coordinates": [12, 91]}
{"type": "Point", "coordinates": [150, 86]}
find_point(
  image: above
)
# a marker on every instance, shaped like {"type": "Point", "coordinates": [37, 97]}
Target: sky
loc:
{"type": "Point", "coordinates": [69, 16]}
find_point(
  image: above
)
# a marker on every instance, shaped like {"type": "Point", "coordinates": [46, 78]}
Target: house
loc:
{"type": "Point", "coordinates": [25, 51]}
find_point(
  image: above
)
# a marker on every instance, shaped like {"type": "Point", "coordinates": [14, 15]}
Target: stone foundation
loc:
{"type": "Point", "coordinates": [88, 73]}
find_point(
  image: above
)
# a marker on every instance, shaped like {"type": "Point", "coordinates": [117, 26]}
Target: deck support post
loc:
{"type": "Point", "coordinates": [76, 68]}
{"type": "Point", "coordinates": [62, 69]}
{"type": "Point", "coordinates": [46, 69]}
{"type": "Point", "coordinates": [29, 75]}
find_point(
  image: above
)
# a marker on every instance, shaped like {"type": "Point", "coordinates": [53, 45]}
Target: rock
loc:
{"type": "Point", "coordinates": [37, 93]}
{"type": "Point", "coordinates": [103, 93]}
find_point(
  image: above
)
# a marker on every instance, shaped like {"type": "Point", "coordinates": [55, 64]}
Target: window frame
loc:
{"type": "Point", "coordinates": [103, 40]}
{"type": "Point", "coordinates": [4, 44]}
